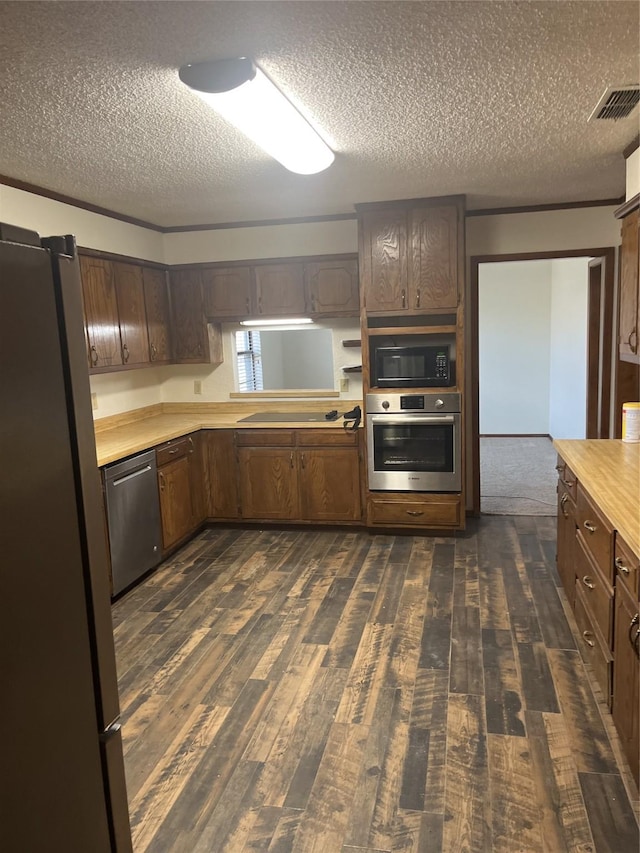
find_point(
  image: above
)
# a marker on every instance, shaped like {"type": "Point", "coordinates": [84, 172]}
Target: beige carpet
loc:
{"type": "Point", "coordinates": [517, 476]}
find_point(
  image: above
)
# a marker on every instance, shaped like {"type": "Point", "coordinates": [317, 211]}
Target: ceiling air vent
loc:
{"type": "Point", "coordinates": [616, 102]}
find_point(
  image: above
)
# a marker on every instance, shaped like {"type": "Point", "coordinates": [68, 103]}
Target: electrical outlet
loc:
{"type": "Point", "coordinates": [197, 386]}
{"type": "Point", "coordinates": [94, 401]}
{"type": "Point", "coordinates": [344, 383]}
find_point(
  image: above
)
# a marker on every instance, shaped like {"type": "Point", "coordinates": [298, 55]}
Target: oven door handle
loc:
{"type": "Point", "coordinates": [399, 420]}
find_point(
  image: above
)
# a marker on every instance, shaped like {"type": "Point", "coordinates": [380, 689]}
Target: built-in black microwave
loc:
{"type": "Point", "coordinates": [420, 366]}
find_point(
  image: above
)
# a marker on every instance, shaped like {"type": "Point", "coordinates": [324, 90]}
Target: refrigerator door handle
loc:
{"type": "Point", "coordinates": [111, 731]}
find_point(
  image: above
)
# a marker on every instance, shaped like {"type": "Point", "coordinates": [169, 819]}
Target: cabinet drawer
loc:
{"type": "Point", "coordinates": [327, 438]}
{"type": "Point", "coordinates": [435, 512]}
{"type": "Point", "coordinates": [627, 566]}
{"type": "Point", "coordinates": [265, 438]}
{"type": "Point", "coordinates": [592, 647]}
{"type": "Point", "coordinates": [567, 478]}
{"type": "Point", "coordinates": [598, 535]}
{"type": "Point", "coordinates": [596, 592]}
{"type": "Point", "coordinates": [173, 450]}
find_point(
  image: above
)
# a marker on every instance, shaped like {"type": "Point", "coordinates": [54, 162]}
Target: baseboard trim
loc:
{"type": "Point", "coordinates": [515, 435]}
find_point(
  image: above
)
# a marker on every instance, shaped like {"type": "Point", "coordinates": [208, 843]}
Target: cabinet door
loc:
{"type": "Point", "coordinates": [131, 313]}
{"type": "Point", "coordinates": [175, 501]}
{"type": "Point", "coordinates": [268, 486]}
{"type": "Point", "coordinates": [331, 287]}
{"type": "Point", "coordinates": [626, 666]}
{"type": "Point", "coordinates": [101, 312]}
{"type": "Point", "coordinates": [433, 270]}
{"type": "Point", "coordinates": [384, 261]}
{"type": "Point", "coordinates": [222, 474]}
{"type": "Point", "coordinates": [227, 293]}
{"type": "Point", "coordinates": [190, 341]}
{"type": "Point", "coordinates": [197, 477]}
{"type": "Point", "coordinates": [629, 287]}
{"type": "Point", "coordinates": [156, 301]}
{"type": "Point", "coordinates": [330, 484]}
{"type": "Point", "coordinates": [566, 543]}
{"type": "Point", "coordinates": [279, 290]}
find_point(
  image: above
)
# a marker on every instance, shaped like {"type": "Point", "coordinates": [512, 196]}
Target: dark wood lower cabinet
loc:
{"type": "Point", "coordinates": [626, 675]}
{"type": "Point", "coordinates": [566, 542]}
{"type": "Point", "coordinates": [329, 484]}
{"type": "Point", "coordinates": [176, 508]}
{"type": "Point", "coordinates": [221, 474]}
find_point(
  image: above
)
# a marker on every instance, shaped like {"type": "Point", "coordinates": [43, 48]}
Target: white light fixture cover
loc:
{"type": "Point", "coordinates": [257, 108]}
{"type": "Point", "coordinates": [287, 321]}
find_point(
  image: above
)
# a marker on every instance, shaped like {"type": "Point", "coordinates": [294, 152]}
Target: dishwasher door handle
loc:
{"type": "Point", "coordinates": [131, 475]}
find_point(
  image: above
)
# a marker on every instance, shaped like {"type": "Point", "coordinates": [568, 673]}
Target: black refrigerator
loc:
{"type": "Point", "coordinates": [62, 783]}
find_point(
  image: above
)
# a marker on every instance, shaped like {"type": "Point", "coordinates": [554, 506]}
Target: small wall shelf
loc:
{"type": "Point", "coordinates": [352, 343]}
{"type": "Point", "coordinates": [355, 369]}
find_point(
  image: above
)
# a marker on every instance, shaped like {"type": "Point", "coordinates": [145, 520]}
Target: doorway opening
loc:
{"type": "Point", "coordinates": [541, 366]}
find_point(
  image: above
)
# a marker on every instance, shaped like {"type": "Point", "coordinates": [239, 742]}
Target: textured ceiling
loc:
{"type": "Point", "coordinates": [490, 99]}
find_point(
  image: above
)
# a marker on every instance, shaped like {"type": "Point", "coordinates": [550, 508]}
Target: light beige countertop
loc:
{"type": "Point", "coordinates": [122, 435]}
{"type": "Point", "coordinates": [609, 471]}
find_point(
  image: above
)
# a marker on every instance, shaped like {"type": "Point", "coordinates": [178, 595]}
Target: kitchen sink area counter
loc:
{"type": "Point", "coordinates": [120, 436]}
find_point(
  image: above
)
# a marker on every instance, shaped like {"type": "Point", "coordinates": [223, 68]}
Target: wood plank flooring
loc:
{"type": "Point", "coordinates": [343, 692]}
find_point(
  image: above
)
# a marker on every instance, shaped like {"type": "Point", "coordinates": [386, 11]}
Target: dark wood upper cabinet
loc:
{"type": "Point", "coordinates": [156, 300]}
{"type": "Point", "coordinates": [194, 340]}
{"type": "Point", "coordinates": [101, 312]}
{"type": "Point", "coordinates": [411, 256]}
{"type": "Point", "coordinates": [629, 346]}
{"type": "Point", "coordinates": [433, 268]}
{"type": "Point", "coordinates": [331, 287]}
{"type": "Point", "coordinates": [228, 292]}
{"type": "Point", "coordinates": [383, 262]}
{"type": "Point", "coordinates": [131, 314]}
{"type": "Point", "coordinates": [279, 290]}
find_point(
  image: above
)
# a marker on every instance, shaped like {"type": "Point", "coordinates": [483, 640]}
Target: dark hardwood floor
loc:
{"type": "Point", "coordinates": [340, 691]}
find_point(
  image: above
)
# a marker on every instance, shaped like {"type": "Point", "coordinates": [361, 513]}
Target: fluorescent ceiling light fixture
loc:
{"type": "Point", "coordinates": [242, 94]}
{"type": "Point", "coordinates": [287, 321]}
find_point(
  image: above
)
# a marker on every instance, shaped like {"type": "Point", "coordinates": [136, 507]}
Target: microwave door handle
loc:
{"type": "Point", "coordinates": [412, 419]}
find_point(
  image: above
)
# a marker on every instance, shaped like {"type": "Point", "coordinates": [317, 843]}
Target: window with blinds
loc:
{"type": "Point", "coordinates": [249, 361]}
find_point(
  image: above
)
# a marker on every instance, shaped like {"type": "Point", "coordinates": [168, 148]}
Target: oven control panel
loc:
{"type": "Point", "coordinates": [398, 403]}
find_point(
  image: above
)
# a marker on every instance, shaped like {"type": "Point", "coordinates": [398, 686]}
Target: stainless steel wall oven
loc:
{"type": "Point", "coordinates": [414, 442]}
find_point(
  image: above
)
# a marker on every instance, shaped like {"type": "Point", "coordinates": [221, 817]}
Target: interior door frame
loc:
{"type": "Point", "coordinates": [473, 397]}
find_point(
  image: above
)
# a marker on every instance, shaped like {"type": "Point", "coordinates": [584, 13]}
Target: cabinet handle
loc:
{"type": "Point", "coordinates": [588, 582]}
{"type": "Point", "coordinates": [621, 566]}
{"type": "Point", "coordinates": [125, 353]}
{"type": "Point", "coordinates": [192, 444]}
{"type": "Point", "coordinates": [94, 356]}
{"type": "Point", "coordinates": [302, 462]}
{"type": "Point", "coordinates": [633, 334]}
{"type": "Point", "coordinates": [633, 622]}
{"type": "Point", "coordinates": [559, 468]}
{"type": "Point", "coordinates": [404, 298]}
{"type": "Point", "coordinates": [563, 501]}
{"type": "Point", "coordinates": [291, 459]}
{"type": "Point", "coordinates": [161, 480]}
{"type": "Point", "coordinates": [590, 526]}
{"type": "Point", "coordinates": [418, 298]}
{"type": "Point", "coordinates": [568, 483]}
{"type": "Point", "coordinates": [415, 512]}
{"type": "Point", "coordinates": [174, 450]}
{"type": "Point", "coordinates": [586, 635]}
{"type": "Point", "coordinates": [154, 352]}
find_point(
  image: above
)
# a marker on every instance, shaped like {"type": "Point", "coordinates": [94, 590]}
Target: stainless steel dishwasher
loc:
{"type": "Point", "coordinates": [133, 516]}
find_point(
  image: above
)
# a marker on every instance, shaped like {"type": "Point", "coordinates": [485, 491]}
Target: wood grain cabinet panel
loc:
{"type": "Point", "coordinates": [384, 261]}
{"type": "Point", "coordinates": [629, 284]}
{"type": "Point", "coordinates": [198, 479]}
{"type": "Point", "coordinates": [174, 483]}
{"type": "Point", "coordinates": [156, 301]}
{"type": "Point", "coordinates": [279, 290]}
{"type": "Point", "coordinates": [433, 268]}
{"type": "Point", "coordinates": [101, 312]}
{"type": "Point", "coordinates": [566, 542]}
{"type": "Point", "coordinates": [331, 287]}
{"type": "Point", "coordinates": [626, 677]}
{"type": "Point", "coordinates": [131, 314]}
{"type": "Point", "coordinates": [228, 292]}
{"type": "Point", "coordinates": [330, 484]}
{"type": "Point", "coordinates": [223, 499]}
{"type": "Point", "coordinates": [268, 483]}
{"type": "Point", "coordinates": [195, 341]}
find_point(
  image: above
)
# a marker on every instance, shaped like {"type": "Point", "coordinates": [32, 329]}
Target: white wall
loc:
{"type": "Point", "coordinates": [92, 230]}
{"type": "Point", "coordinates": [514, 309]}
{"type": "Point", "coordinates": [130, 389]}
{"type": "Point", "coordinates": [265, 241]}
{"type": "Point", "coordinates": [568, 348]}
{"type": "Point", "coordinates": [633, 174]}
